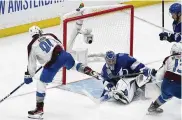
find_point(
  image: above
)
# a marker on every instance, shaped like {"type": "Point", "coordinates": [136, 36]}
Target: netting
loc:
{"type": "Point", "coordinates": [112, 29]}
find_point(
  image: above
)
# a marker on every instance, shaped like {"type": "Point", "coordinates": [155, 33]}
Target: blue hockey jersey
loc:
{"type": "Point", "coordinates": [125, 64]}
{"type": "Point", "coordinates": [177, 32]}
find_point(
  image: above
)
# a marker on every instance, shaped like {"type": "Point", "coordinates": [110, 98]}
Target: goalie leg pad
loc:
{"type": "Point", "coordinates": [142, 80]}
{"type": "Point", "coordinates": [125, 91]}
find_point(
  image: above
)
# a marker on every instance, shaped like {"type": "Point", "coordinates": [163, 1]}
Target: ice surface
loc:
{"type": "Point", "coordinates": [61, 104]}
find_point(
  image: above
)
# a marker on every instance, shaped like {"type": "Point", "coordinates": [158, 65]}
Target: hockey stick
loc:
{"type": "Point", "coordinates": [163, 15]}
{"type": "Point", "coordinates": [130, 75]}
{"type": "Point", "coordinates": [98, 100]}
{"type": "Point", "coordinates": [16, 88]}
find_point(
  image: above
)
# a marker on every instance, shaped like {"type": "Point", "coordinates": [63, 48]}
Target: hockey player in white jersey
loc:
{"type": "Point", "coordinates": [118, 65]}
{"type": "Point", "coordinates": [171, 74]}
{"type": "Point", "coordinates": [49, 52]}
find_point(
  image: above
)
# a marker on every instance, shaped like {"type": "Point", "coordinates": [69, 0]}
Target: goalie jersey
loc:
{"type": "Point", "coordinates": [125, 64]}
{"type": "Point", "coordinates": [40, 49]}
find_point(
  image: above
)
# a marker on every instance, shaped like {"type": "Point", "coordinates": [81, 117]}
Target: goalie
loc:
{"type": "Point", "coordinates": [118, 65]}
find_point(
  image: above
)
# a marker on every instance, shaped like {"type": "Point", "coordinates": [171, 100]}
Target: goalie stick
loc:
{"type": "Point", "coordinates": [16, 88]}
{"type": "Point", "coordinates": [99, 101]}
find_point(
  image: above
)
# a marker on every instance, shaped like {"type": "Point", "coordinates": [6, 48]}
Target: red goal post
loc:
{"type": "Point", "coordinates": [103, 17]}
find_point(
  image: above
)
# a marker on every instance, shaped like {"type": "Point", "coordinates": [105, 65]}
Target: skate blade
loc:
{"type": "Point", "coordinates": [37, 117]}
{"type": "Point", "coordinates": [153, 113]}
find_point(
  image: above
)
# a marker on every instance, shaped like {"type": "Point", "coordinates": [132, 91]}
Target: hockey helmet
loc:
{"type": "Point", "coordinates": [35, 30]}
{"type": "Point", "coordinates": [110, 59]}
{"type": "Point", "coordinates": [176, 48]}
{"type": "Point", "coordinates": [175, 8]}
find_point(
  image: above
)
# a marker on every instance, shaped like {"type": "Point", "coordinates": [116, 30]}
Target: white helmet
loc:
{"type": "Point", "coordinates": [176, 48]}
{"type": "Point", "coordinates": [35, 30]}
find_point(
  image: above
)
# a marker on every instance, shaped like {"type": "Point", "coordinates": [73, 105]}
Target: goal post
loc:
{"type": "Point", "coordinates": [111, 27]}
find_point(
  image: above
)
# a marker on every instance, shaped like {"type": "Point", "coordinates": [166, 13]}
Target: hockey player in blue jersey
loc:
{"type": "Point", "coordinates": [118, 65]}
{"type": "Point", "coordinates": [49, 52]}
{"type": "Point", "coordinates": [175, 11]}
{"type": "Point", "coordinates": [171, 74]}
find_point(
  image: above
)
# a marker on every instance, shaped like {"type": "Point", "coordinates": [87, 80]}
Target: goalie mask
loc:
{"type": "Point", "coordinates": [176, 48]}
{"type": "Point", "coordinates": [35, 30]}
{"type": "Point", "coordinates": [110, 59]}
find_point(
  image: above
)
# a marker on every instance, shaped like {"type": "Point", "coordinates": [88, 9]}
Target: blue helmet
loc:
{"type": "Point", "coordinates": [110, 58]}
{"type": "Point", "coordinates": [175, 8]}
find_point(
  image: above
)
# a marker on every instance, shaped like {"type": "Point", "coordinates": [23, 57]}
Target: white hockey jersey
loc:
{"type": "Point", "coordinates": [171, 65]}
{"type": "Point", "coordinates": [40, 49]}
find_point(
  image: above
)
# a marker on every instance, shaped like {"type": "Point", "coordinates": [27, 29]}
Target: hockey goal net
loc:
{"type": "Point", "coordinates": [112, 29]}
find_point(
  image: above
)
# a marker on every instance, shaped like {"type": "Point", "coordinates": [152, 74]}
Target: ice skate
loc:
{"type": "Point", "coordinates": [154, 109]}
{"type": "Point", "coordinates": [37, 113]}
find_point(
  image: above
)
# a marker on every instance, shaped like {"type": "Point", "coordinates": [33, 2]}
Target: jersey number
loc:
{"type": "Point", "coordinates": [45, 45]}
{"type": "Point", "coordinates": [177, 65]}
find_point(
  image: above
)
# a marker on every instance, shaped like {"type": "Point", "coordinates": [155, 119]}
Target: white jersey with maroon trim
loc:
{"type": "Point", "coordinates": [172, 64]}
{"type": "Point", "coordinates": [40, 50]}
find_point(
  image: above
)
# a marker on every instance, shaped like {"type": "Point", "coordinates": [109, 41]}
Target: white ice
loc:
{"type": "Point", "coordinates": [60, 104]}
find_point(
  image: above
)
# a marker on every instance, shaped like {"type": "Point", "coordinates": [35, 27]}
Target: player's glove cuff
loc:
{"type": "Point", "coordinates": [27, 78]}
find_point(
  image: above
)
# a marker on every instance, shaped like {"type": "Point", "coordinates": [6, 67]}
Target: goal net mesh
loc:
{"type": "Point", "coordinates": [112, 29]}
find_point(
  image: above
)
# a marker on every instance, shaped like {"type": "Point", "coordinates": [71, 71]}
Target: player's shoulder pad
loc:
{"type": "Point", "coordinates": [122, 54]}
{"type": "Point", "coordinates": [169, 57]}
{"type": "Point", "coordinates": [166, 59]}
{"type": "Point", "coordinates": [52, 35]}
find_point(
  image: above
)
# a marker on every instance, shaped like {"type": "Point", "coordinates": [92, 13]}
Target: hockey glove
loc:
{"type": "Point", "coordinates": [163, 36]}
{"type": "Point", "coordinates": [166, 36]}
{"type": "Point", "coordinates": [27, 78]}
{"type": "Point", "coordinates": [109, 86]}
{"type": "Point", "coordinates": [148, 72]}
{"type": "Point", "coordinates": [153, 72]}
{"type": "Point", "coordinates": [90, 72]}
